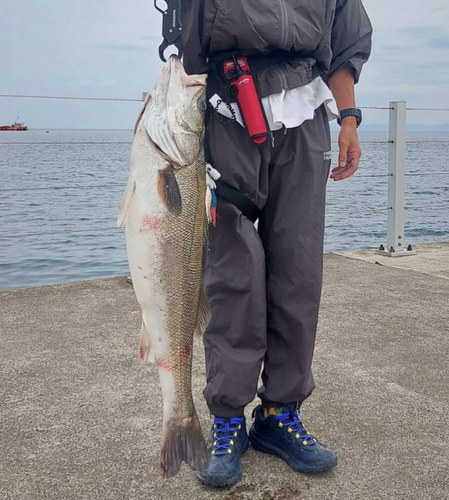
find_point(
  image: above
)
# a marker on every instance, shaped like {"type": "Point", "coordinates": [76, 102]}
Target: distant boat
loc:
{"type": "Point", "coordinates": [15, 126]}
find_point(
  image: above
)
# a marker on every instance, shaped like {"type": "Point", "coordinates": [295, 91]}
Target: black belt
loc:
{"type": "Point", "coordinates": [238, 199]}
{"type": "Point", "coordinates": [257, 63]}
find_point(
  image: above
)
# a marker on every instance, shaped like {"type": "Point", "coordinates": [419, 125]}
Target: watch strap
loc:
{"type": "Point", "coordinates": [344, 113]}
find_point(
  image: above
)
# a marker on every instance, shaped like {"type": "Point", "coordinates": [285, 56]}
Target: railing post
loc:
{"type": "Point", "coordinates": [396, 182]}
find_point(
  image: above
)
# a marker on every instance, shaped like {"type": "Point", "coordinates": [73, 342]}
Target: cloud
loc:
{"type": "Point", "coordinates": [422, 37]}
{"type": "Point", "coordinates": [117, 47]}
{"type": "Point", "coordinates": [421, 31]}
{"type": "Point", "coordinates": [151, 37]}
{"type": "Point", "coordinates": [410, 60]}
{"type": "Point", "coordinates": [109, 48]}
{"type": "Point", "coordinates": [438, 43]}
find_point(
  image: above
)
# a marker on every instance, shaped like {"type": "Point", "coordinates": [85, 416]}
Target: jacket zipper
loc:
{"type": "Point", "coordinates": [284, 24]}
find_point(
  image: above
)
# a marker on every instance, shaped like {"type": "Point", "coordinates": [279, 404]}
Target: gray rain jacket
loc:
{"type": "Point", "coordinates": [320, 36]}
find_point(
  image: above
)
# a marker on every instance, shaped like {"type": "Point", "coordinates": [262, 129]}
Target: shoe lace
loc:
{"type": "Point", "coordinates": [293, 424]}
{"type": "Point", "coordinates": [225, 430]}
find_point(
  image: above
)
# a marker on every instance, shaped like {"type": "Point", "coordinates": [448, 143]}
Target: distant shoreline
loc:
{"type": "Point", "coordinates": [369, 127]}
{"type": "Point", "coordinates": [86, 129]}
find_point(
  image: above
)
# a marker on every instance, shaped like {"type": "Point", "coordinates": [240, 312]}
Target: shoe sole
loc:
{"type": "Point", "coordinates": [227, 483]}
{"type": "Point", "coordinates": [269, 446]}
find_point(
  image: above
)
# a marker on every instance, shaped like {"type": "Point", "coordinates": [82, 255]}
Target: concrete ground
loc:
{"type": "Point", "coordinates": [81, 418]}
{"type": "Point", "coordinates": [430, 259]}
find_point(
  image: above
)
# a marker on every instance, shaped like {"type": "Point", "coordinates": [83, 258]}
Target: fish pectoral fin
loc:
{"type": "Point", "coordinates": [126, 201]}
{"type": "Point", "coordinates": [145, 349]}
{"type": "Point", "coordinates": [168, 190]}
{"type": "Point", "coordinates": [204, 313]}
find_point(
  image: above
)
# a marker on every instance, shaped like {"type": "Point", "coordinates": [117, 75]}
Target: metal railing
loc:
{"type": "Point", "coordinates": [396, 176]}
{"type": "Point", "coordinates": [396, 245]}
{"type": "Point", "coordinates": [396, 181]}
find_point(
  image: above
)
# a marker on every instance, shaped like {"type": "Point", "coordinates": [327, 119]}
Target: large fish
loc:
{"type": "Point", "coordinates": [164, 213]}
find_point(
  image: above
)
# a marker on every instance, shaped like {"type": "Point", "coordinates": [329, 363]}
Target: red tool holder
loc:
{"type": "Point", "coordinates": [238, 72]}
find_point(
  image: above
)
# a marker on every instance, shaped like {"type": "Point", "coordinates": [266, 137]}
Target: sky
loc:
{"type": "Point", "coordinates": [109, 48]}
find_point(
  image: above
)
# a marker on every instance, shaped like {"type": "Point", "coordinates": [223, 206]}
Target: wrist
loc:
{"type": "Point", "coordinates": [349, 122]}
{"type": "Point", "coordinates": [350, 114]}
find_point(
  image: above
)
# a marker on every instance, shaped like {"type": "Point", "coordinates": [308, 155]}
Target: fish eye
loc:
{"type": "Point", "coordinates": [202, 105]}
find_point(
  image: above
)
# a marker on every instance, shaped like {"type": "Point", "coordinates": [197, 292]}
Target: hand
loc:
{"type": "Point", "coordinates": [350, 152]}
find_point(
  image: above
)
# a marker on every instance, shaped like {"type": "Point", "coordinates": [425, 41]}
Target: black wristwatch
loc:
{"type": "Point", "coordinates": [344, 113]}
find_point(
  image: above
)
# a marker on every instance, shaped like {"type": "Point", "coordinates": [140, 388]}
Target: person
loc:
{"type": "Point", "coordinates": [264, 283]}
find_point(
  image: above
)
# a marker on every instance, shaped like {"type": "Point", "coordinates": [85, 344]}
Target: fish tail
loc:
{"type": "Point", "coordinates": [183, 441]}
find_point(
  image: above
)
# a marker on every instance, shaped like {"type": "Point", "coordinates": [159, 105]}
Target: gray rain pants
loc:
{"type": "Point", "coordinates": [264, 285]}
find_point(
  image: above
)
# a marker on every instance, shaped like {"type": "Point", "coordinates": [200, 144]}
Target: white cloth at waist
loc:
{"type": "Point", "coordinates": [289, 108]}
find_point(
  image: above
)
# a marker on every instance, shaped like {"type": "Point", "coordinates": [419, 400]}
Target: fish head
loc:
{"type": "Point", "coordinates": [174, 114]}
{"type": "Point", "coordinates": [186, 107]}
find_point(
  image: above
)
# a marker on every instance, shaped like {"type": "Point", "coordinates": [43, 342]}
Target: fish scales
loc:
{"type": "Point", "coordinates": [163, 210]}
{"type": "Point", "coordinates": [182, 266]}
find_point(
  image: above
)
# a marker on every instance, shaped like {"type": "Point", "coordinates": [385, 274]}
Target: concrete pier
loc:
{"type": "Point", "coordinates": [80, 418]}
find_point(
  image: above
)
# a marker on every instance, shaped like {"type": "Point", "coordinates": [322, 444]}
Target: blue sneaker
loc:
{"type": "Point", "coordinates": [227, 442]}
{"type": "Point", "coordinates": [285, 436]}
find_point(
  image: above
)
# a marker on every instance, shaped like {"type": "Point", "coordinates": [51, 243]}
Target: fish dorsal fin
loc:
{"type": "Point", "coordinates": [204, 313]}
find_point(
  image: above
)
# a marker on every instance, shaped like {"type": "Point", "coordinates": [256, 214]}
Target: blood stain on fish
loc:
{"type": "Point", "coordinates": [186, 353]}
{"type": "Point", "coordinates": [165, 364]}
{"type": "Point", "coordinates": [150, 224]}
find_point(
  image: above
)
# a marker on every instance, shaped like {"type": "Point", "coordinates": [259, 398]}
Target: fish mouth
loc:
{"type": "Point", "coordinates": [177, 68]}
{"type": "Point", "coordinates": [187, 80]}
